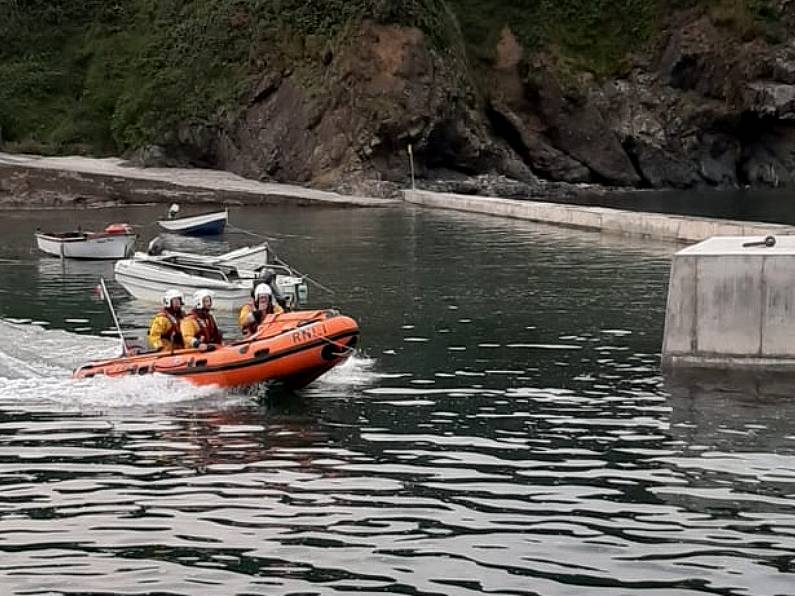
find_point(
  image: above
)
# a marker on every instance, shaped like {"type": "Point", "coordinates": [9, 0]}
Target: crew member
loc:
{"type": "Point", "coordinates": [262, 304]}
{"type": "Point", "coordinates": [164, 332]}
{"type": "Point", "coordinates": [269, 277]}
{"type": "Point", "coordinates": [199, 329]}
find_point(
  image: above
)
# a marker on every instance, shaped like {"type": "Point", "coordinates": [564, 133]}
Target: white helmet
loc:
{"type": "Point", "coordinates": [200, 295]}
{"type": "Point", "coordinates": [262, 290]}
{"type": "Point", "coordinates": [170, 295]}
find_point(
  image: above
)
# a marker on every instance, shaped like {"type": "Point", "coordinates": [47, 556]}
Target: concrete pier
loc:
{"type": "Point", "coordinates": [679, 228]}
{"type": "Point", "coordinates": [33, 181]}
{"type": "Point", "coordinates": [732, 306]}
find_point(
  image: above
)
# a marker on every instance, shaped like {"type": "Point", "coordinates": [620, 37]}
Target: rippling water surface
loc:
{"type": "Point", "coordinates": [504, 429]}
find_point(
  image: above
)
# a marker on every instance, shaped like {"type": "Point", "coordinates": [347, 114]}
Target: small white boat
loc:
{"type": "Point", "coordinates": [146, 276]}
{"type": "Point", "coordinates": [116, 241]}
{"type": "Point", "coordinates": [207, 224]}
{"type": "Point", "coordinates": [253, 258]}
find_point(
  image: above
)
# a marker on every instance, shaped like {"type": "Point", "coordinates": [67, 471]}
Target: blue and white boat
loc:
{"type": "Point", "coordinates": [207, 224]}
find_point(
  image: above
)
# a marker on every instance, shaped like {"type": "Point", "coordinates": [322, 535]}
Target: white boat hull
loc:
{"type": "Point", "coordinates": [110, 246]}
{"type": "Point", "coordinates": [147, 281]}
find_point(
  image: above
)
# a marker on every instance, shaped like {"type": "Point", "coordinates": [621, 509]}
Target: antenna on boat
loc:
{"type": "Point", "coordinates": [113, 314]}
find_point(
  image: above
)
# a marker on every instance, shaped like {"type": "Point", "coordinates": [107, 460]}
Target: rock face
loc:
{"type": "Point", "coordinates": [388, 89]}
{"type": "Point", "coordinates": [700, 112]}
{"type": "Point", "coordinates": [706, 113]}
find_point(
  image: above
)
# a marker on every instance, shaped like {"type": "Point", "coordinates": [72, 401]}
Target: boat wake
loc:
{"type": "Point", "coordinates": [355, 371]}
{"type": "Point", "coordinates": [36, 365]}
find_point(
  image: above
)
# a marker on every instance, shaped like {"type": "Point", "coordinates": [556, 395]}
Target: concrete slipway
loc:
{"type": "Point", "coordinates": [35, 181]}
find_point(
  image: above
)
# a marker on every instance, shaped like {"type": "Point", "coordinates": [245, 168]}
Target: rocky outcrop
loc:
{"type": "Point", "coordinates": [351, 127]}
{"type": "Point", "coordinates": [702, 111]}
{"type": "Point", "coordinates": [697, 112]}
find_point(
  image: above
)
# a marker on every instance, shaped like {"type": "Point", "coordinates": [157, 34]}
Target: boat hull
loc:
{"type": "Point", "coordinates": [146, 279]}
{"type": "Point", "coordinates": [87, 246]}
{"type": "Point", "coordinates": [148, 282]}
{"type": "Point", "coordinates": [208, 224]}
{"type": "Point", "coordinates": [292, 349]}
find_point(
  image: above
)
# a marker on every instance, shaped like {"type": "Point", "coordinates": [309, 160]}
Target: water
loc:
{"type": "Point", "coordinates": [770, 205]}
{"type": "Point", "coordinates": [504, 429]}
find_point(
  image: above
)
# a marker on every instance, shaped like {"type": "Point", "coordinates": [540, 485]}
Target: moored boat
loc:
{"type": "Point", "coordinates": [247, 257]}
{"type": "Point", "coordinates": [147, 276]}
{"type": "Point", "coordinates": [292, 349]}
{"type": "Point", "coordinates": [206, 224]}
{"type": "Point", "coordinates": [116, 241]}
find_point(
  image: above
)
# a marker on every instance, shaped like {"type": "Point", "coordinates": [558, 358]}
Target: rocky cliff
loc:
{"type": "Point", "coordinates": [631, 93]}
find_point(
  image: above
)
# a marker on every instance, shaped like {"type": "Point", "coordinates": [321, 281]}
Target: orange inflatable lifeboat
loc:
{"type": "Point", "coordinates": [293, 348]}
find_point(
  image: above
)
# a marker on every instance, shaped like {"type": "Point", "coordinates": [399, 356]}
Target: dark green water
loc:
{"type": "Point", "coordinates": [504, 429]}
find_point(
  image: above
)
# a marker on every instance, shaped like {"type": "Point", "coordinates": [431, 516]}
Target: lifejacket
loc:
{"type": "Point", "coordinates": [173, 333]}
{"type": "Point", "coordinates": [249, 308]}
{"type": "Point", "coordinates": [208, 329]}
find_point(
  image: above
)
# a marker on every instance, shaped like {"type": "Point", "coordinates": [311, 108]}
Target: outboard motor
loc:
{"type": "Point", "coordinates": [173, 210]}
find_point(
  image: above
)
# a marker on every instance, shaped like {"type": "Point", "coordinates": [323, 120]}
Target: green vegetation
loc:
{"type": "Point", "coordinates": [108, 76]}
{"type": "Point", "coordinates": [103, 76]}
{"type": "Point", "coordinates": [595, 35]}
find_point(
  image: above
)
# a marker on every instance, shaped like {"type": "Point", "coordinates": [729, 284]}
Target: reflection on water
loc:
{"type": "Point", "coordinates": [505, 429]}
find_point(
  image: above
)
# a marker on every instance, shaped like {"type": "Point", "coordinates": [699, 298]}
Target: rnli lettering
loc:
{"type": "Point", "coordinates": [308, 333]}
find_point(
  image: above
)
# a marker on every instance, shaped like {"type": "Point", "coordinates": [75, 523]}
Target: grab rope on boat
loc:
{"type": "Point", "coordinates": [341, 347]}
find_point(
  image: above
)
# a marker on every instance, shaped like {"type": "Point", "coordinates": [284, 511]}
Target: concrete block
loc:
{"type": "Point", "coordinates": [729, 305]}
{"type": "Point", "coordinates": [778, 306]}
{"type": "Point", "coordinates": [680, 315]}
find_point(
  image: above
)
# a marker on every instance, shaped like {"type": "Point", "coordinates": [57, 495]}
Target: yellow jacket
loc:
{"type": "Point", "coordinates": [248, 321]}
{"type": "Point", "coordinates": [189, 327]}
{"type": "Point", "coordinates": [195, 332]}
{"type": "Point", "coordinates": [164, 332]}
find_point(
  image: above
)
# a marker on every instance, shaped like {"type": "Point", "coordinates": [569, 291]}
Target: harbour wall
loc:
{"type": "Point", "coordinates": [677, 228]}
